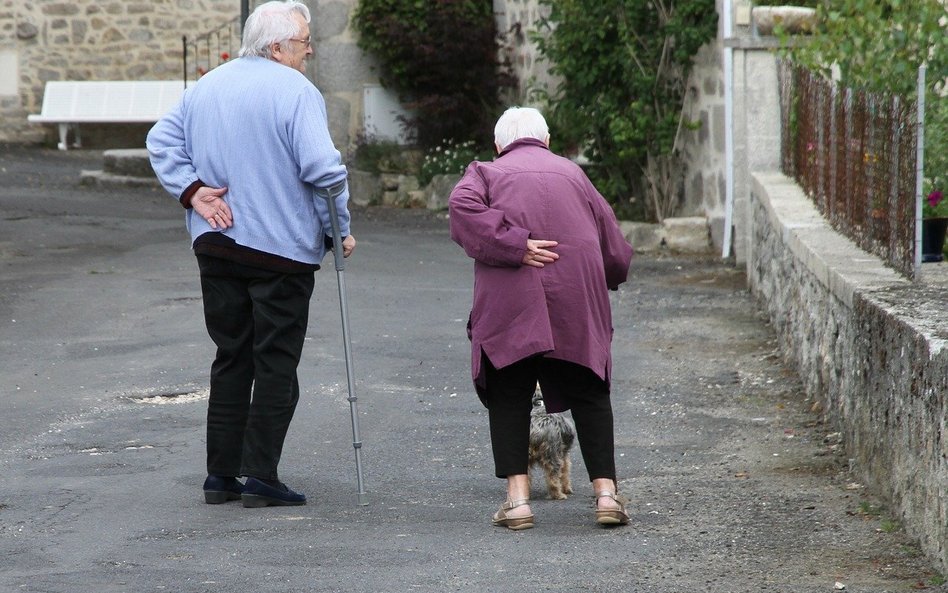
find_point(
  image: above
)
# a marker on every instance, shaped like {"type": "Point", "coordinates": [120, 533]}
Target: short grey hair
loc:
{"type": "Point", "coordinates": [271, 22]}
{"type": "Point", "coordinates": [520, 122]}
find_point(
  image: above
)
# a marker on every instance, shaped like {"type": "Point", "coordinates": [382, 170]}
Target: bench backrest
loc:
{"type": "Point", "coordinates": [109, 100]}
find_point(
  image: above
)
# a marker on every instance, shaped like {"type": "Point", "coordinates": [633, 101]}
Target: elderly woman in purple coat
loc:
{"type": "Point", "coordinates": [546, 248]}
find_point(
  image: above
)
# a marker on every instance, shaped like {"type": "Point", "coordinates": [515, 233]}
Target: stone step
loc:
{"type": "Point", "coordinates": [689, 235]}
{"type": "Point", "coordinates": [130, 162]}
{"type": "Point", "coordinates": [122, 166]}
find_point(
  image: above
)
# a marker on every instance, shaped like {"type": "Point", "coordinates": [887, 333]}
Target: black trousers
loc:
{"type": "Point", "coordinates": [509, 401]}
{"type": "Point", "coordinates": [257, 319]}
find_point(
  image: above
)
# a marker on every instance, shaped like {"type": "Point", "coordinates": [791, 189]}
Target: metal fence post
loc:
{"type": "Point", "coordinates": [919, 170]}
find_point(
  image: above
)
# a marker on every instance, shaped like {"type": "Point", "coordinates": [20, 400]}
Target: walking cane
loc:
{"type": "Point", "coordinates": [330, 197]}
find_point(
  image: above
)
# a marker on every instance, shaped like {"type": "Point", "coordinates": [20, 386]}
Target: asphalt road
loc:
{"type": "Point", "coordinates": [736, 484]}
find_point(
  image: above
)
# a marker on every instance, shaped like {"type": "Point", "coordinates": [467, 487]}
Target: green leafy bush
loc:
{"type": "Point", "coordinates": [441, 58]}
{"type": "Point", "coordinates": [624, 65]}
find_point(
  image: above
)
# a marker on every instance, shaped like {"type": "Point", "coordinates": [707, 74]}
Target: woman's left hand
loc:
{"type": "Point", "coordinates": [538, 253]}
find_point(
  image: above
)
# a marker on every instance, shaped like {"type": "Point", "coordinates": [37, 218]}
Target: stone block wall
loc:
{"type": "Point", "coordinates": [869, 346]}
{"type": "Point", "coordinates": [141, 40]}
{"type": "Point", "coordinates": [702, 148]}
{"type": "Point", "coordinates": [339, 68]}
{"type": "Point", "coordinates": [756, 126]}
{"type": "Point", "coordinates": [91, 40]}
{"type": "Point", "coordinates": [517, 20]}
{"type": "Point", "coordinates": [138, 40]}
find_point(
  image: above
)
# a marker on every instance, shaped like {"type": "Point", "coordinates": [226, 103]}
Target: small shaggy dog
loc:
{"type": "Point", "coordinates": [551, 436]}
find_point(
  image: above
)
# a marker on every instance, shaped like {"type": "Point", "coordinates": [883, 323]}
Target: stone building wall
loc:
{"type": "Point", "coordinates": [141, 40]}
{"type": "Point", "coordinates": [517, 21]}
{"type": "Point", "coordinates": [48, 40]}
{"type": "Point", "coordinates": [755, 125]}
{"type": "Point", "coordinates": [339, 68]}
{"type": "Point", "coordinates": [701, 143]}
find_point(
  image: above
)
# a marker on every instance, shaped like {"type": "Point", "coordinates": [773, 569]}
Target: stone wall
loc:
{"type": "Point", "coordinates": [91, 40]}
{"type": "Point", "coordinates": [141, 40]}
{"type": "Point", "coordinates": [341, 69]}
{"type": "Point", "coordinates": [138, 40]}
{"type": "Point", "coordinates": [517, 21]}
{"type": "Point", "coordinates": [702, 147]}
{"type": "Point", "coordinates": [756, 125]}
{"type": "Point", "coordinates": [869, 346]}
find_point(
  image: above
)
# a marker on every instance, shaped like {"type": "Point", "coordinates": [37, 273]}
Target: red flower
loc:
{"type": "Point", "coordinates": [225, 56]}
{"type": "Point", "coordinates": [935, 198]}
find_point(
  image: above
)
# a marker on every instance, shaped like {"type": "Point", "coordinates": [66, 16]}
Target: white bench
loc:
{"type": "Point", "coordinates": [70, 103]}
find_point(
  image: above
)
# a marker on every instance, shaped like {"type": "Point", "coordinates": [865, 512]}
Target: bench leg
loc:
{"type": "Point", "coordinates": [64, 136]}
{"type": "Point", "coordinates": [63, 133]}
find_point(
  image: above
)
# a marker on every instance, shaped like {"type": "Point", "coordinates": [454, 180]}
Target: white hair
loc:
{"type": "Point", "coordinates": [520, 122]}
{"type": "Point", "coordinates": [271, 22]}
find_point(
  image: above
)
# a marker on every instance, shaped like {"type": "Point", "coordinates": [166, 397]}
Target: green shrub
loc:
{"type": "Point", "coordinates": [441, 59]}
{"type": "Point", "coordinates": [624, 65]}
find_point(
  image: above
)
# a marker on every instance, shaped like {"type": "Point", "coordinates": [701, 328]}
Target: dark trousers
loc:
{"type": "Point", "coordinates": [257, 319]}
{"type": "Point", "coordinates": [509, 401]}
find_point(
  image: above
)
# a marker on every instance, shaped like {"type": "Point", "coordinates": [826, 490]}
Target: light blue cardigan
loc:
{"type": "Point", "coordinates": [258, 128]}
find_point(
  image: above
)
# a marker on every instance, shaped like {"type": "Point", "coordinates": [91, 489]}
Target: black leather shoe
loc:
{"type": "Point", "coordinates": [258, 493]}
{"type": "Point", "coordinates": [218, 489]}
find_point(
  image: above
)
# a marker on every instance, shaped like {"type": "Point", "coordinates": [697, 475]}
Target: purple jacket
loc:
{"type": "Point", "coordinates": [561, 310]}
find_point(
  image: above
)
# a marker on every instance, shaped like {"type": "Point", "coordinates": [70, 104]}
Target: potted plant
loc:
{"type": "Point", "coordinates": [934, 223]}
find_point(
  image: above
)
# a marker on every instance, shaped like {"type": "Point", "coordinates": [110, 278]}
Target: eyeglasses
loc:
{"type": "Point", "coordinates": [306, 42]}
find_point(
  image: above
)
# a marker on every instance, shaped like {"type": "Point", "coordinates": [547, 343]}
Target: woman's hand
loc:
{"type": "Point", "coordinates": [538, 253]}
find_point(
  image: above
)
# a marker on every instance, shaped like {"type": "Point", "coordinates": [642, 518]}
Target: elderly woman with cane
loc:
{"type": "Point", "coordinates": [546, 248]}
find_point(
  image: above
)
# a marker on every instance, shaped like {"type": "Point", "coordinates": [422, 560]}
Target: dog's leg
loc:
{"type": "Point", "coordinates": [552, 471]}
{"type": "Point", "coordinates": [564, 476]}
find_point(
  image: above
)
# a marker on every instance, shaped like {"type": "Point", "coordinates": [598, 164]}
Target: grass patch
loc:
{"type": "Point", "coordinates": [889, 526]}
{"type": "Point", "coordinates": [870, 510]}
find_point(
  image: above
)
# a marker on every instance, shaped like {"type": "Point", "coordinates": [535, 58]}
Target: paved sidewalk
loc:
{"type": "Point", "coordinates": [736, 485]}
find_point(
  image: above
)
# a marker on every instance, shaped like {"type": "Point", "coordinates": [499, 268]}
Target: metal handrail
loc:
{"type": "Point", "coordinates": [225, 42]}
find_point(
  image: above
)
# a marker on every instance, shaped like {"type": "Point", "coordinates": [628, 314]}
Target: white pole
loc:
{"type": "Point", "coordinates": [728, 129]}
{"type": "Point", "coordinates": [919, 170]}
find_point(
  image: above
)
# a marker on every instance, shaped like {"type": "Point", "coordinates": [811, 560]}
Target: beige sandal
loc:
{"type": "Point", "coordinates": [617, 516]}
{"type": "Point", "coordinates": [516, 523]}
